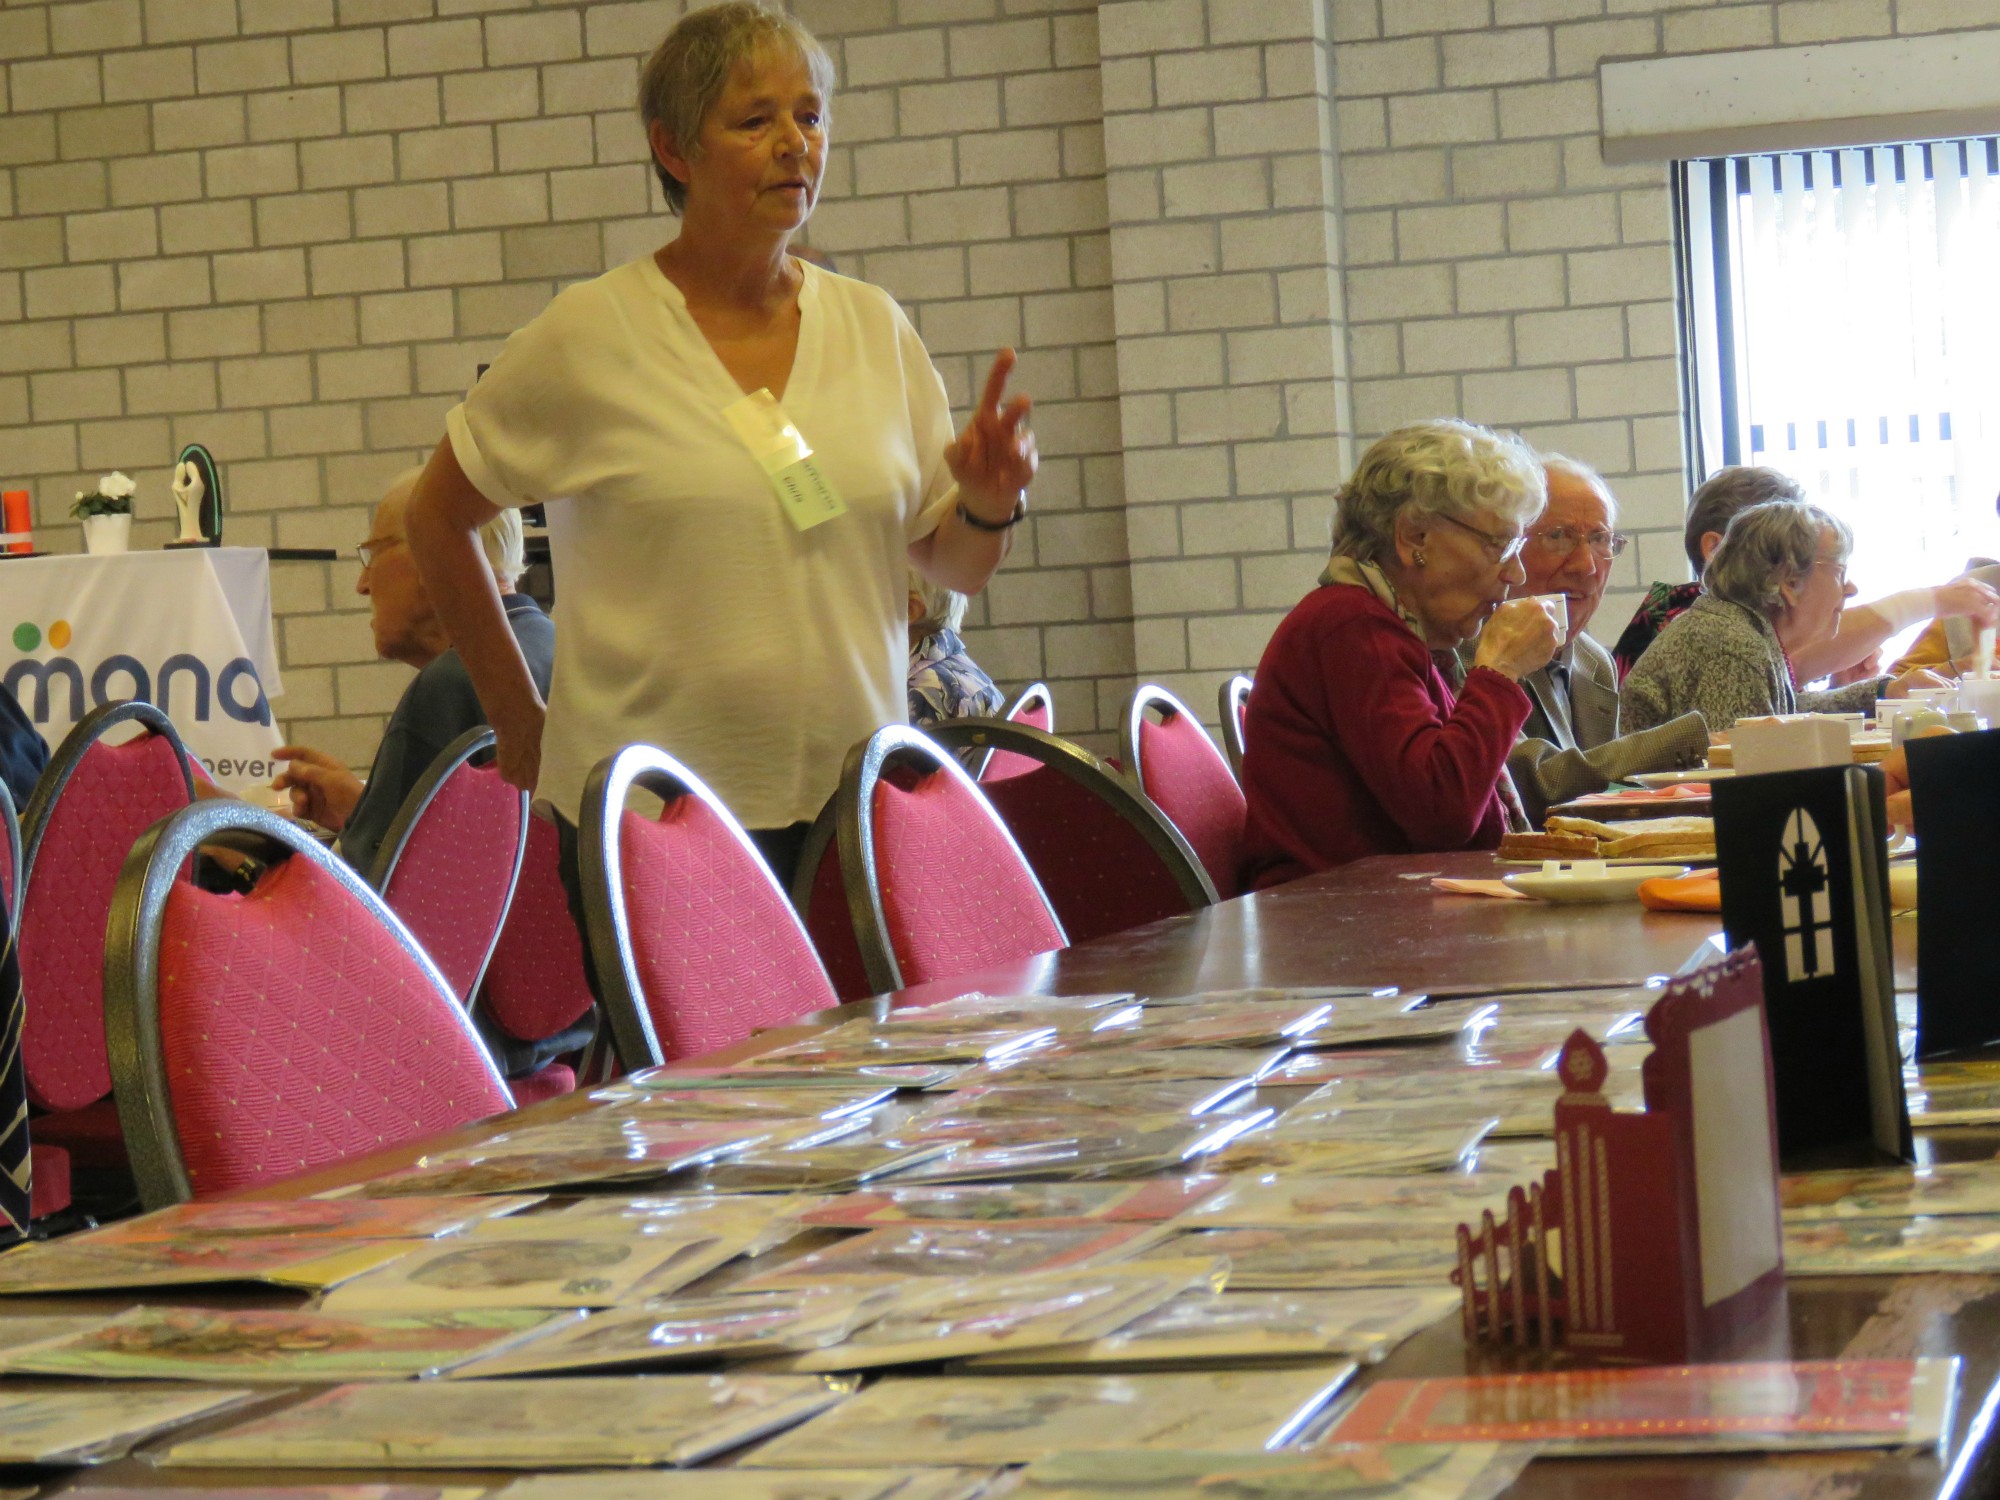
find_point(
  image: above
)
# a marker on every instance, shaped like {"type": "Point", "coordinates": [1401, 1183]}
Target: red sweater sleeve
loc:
{"type": "Point", "coordinates": [1432, 768]}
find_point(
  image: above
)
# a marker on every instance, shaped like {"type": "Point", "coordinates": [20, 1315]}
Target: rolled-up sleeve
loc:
{"type": "Point", "coordinates": [517, 432]}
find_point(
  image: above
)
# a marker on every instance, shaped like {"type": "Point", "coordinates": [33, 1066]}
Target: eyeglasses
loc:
{"type": "Point", "coordinates": [1499, 549]}
{"type": "Point", "coordinates": [370, 550]}
{"type": "Point", "coordinates": [1561, 541]}
{"type": "Point", "coordinates": [1839, 569]}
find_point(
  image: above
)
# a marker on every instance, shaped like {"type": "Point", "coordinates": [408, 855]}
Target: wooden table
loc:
{"type": "Point", "coordinates": [1375, 923]}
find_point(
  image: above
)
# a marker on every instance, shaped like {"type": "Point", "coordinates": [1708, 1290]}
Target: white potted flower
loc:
{"type": "Point", "coordinates": [106, 513]}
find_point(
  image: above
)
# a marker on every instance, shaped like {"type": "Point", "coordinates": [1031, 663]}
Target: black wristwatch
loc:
{"type": "Point", "coordinates": [977, 524]}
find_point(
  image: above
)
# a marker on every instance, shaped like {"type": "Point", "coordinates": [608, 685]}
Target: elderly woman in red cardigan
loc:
{"type": "Point", "coordinates": [1362, 737]}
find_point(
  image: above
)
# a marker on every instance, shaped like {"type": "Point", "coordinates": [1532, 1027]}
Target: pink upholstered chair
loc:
{"type": "Point", "coordinates": [1034, 708]}
{"type": "Point", "coordinates": [1108, 860]}
{"type": "Point", "coordinates": [1233, 702]}
{"type": "Point", "coordinates": [448, 863]}
{"type": "Point", "coordinates": [255, 1036]}
{"type": "Point", "coordinates": [536, 985]}
{"type": "Point", "coordinates": [1169, 754]}
{"type": "Point", "coordinates": [935, 884]}
{"type": "Point", "coordinates": [694, 943]}
{"type": "Point", "coordinates": [819, 895]}
{"type": "Point", "coordinates": [92, 802]}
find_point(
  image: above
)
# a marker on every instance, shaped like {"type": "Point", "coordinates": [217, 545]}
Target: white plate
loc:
{"type": "Point", "coordinates": [1680, 778]}
{"type": "Point", "coordinates": [1614, 885]}
{"type": "Point", "coordinates": [1623, 862]}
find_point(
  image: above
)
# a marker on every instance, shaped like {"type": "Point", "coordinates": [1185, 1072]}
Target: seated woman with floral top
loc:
{"type": "Point", "coordinates": [945, 682]}
{"type": "Point", "coordinates": [1364, 735]}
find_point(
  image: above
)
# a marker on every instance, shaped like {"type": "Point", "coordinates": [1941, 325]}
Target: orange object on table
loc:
{"type": "Point", "coordinates": [1455, 886]}
{"type": "Point", "coordinates": [18, 517]}
{"type": "Point", "coordinates": [1701, 891]}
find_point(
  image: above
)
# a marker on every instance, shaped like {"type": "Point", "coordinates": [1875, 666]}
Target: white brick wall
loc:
{"type": "Point", "coordinates": [1496, 267]}
{"type": "Point", "coordinates": [1225, 249]}
{"type": "Point", "coordinates": [1233, 239]}
{"type": "Point", "coordinates": [291, 229]}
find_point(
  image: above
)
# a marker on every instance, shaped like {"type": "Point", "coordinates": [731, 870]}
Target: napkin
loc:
{"type": "Point", "coordinates": [1454, 887]}
{"type": "Point", "coordinates": [1701, 891]}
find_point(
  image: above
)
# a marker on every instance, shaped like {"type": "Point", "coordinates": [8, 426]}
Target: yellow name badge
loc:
{"type": "Point", "coordinates": [782, 452]}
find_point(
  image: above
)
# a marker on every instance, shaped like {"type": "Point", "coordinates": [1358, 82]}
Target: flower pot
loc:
{"type": "Point", "coordinates": [102, 534]}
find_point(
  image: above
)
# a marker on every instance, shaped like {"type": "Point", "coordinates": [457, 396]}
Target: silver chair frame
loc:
{"type": "Point", "coordinates": [600, 858]}
{"type": "Point", "coordinates": [396, 839]}
{"type": "Point", "coordinates": [132, 976]}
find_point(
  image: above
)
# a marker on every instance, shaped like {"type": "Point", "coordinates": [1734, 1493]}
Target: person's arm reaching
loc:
{"type": "Point", "coordinates": [441, 524]}
{"type": "Point", "coordinates": [1865, 627]}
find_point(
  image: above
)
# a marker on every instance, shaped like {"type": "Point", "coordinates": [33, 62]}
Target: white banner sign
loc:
{"type": "Point", "coordinates": [188, 631]}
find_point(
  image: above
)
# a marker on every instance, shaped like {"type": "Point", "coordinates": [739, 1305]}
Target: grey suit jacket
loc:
{"type": "Point", "coordinates": [1588, 717]}
{"type": "Point", "coordinates": [1573, 749]}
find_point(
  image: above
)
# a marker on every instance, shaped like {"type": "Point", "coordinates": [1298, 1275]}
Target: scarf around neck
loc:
{"type": "Point", "coordinates": [1352, 573]}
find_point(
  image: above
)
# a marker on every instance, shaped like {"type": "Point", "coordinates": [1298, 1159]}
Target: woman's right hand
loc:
{"type": "Point", "coordinates": [1519, 639]}
{"type": "Point", "coordinates": [517, 753]}
{"type": "Point", "coordinates": [1969, 599]}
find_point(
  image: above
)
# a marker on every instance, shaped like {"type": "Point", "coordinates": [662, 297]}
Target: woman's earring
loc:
{"type": "Point", "coordinates": [1418, 555]}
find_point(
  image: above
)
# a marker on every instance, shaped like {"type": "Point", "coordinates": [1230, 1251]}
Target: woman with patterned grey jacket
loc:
{"type": "Point", "coordinates": [1774, 587]}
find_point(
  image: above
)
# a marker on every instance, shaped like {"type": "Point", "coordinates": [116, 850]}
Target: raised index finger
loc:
{"type": "Point", "coordinates": [996, 381]}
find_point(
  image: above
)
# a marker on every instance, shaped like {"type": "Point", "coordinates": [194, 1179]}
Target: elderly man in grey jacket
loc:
{"type": "Point", "coordinates": [1570, 745]}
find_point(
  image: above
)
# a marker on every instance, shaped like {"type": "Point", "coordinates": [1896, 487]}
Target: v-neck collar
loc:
{"type": "Point", "coordinates": [804, 375]}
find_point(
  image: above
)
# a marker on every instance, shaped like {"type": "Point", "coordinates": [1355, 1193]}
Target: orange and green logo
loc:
{"type": "Point", "coordinates": [235, 689]}
{"type": "Point", "coordinates": [28, 636]}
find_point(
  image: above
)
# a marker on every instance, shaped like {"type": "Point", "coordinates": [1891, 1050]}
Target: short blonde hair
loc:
{"type": "Point", "coordinates": [943, 608]}
{"type": "Point", "coordinates": [693, 65]}
{"type": "Point", "coordinates": [1439, 468]}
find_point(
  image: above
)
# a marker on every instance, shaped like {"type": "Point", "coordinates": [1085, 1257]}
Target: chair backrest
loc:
{"type": "Point", "coordinates": [1232, 703]}
{"type": "Point", "coordinates": [10, 859]}
{"type": "Point", "coordinates": [448, 863]}
{"type": "Point", "coordinates": [1108, 860]}
{"type": "Point", "coordinates": [819, 896]}
{"type": "Point", "coordinates": [535, 984]}
{"type": "Point", "coordinates": [92, 802]}
{"type": "Point", "coordinates": [258, 1035]}
{"type": "Point", "coordinates": [694, 942]}
{"type": "Point", "coordinates": [1036, 708]}
{"type": "Point", "coordinates": [1169, 754]}
{"type": "Point", "coordinates": [935, 884]}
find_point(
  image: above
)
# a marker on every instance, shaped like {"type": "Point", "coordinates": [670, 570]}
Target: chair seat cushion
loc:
{"type": "Point", "coordinates": [90, 1137]}
{"type": "Point", "coordinates": [50, 1165]}
{"type": "Point", "coordinates": [551, 1082]}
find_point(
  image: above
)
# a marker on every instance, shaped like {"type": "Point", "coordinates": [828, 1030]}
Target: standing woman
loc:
{"type": "Point", "coordinates": [741, 454]}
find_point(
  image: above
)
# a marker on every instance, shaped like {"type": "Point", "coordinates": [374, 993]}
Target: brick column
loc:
{"type": "Point", "coordinates": [1222, 173]}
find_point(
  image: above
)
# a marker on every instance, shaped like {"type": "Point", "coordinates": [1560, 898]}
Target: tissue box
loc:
{"type": "Point", "coordinates": [1790, 742]}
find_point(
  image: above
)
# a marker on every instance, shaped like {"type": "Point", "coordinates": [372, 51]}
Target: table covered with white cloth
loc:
{"type": "Point", "coordinates": [187, 630]}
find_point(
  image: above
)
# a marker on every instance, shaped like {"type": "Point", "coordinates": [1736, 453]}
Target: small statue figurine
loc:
{"type": "Point", "coordinates": [198, 498]}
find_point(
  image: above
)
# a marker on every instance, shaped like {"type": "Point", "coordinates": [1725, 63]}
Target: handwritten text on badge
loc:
{"type": "Point", "coordinates": [786, 459]}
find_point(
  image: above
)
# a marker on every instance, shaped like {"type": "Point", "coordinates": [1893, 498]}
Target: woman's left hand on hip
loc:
{"type": "Point", "coordinates": [994, 458]}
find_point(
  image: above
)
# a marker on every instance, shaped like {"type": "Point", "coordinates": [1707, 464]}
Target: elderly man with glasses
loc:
{"type": "Point", "coordinates": [1570, 745]}
{"type": "Point", "coordinates": [439, 703]}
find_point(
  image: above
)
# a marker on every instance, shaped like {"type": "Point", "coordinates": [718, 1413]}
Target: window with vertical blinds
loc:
{"type": "Point", "coordinates": [1842, 323]}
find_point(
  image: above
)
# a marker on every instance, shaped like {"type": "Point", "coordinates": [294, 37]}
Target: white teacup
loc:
{"type": "Point", "coordinates": [1981, 696]}
{"type": "Point", "coordinates": [1556, 607]}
